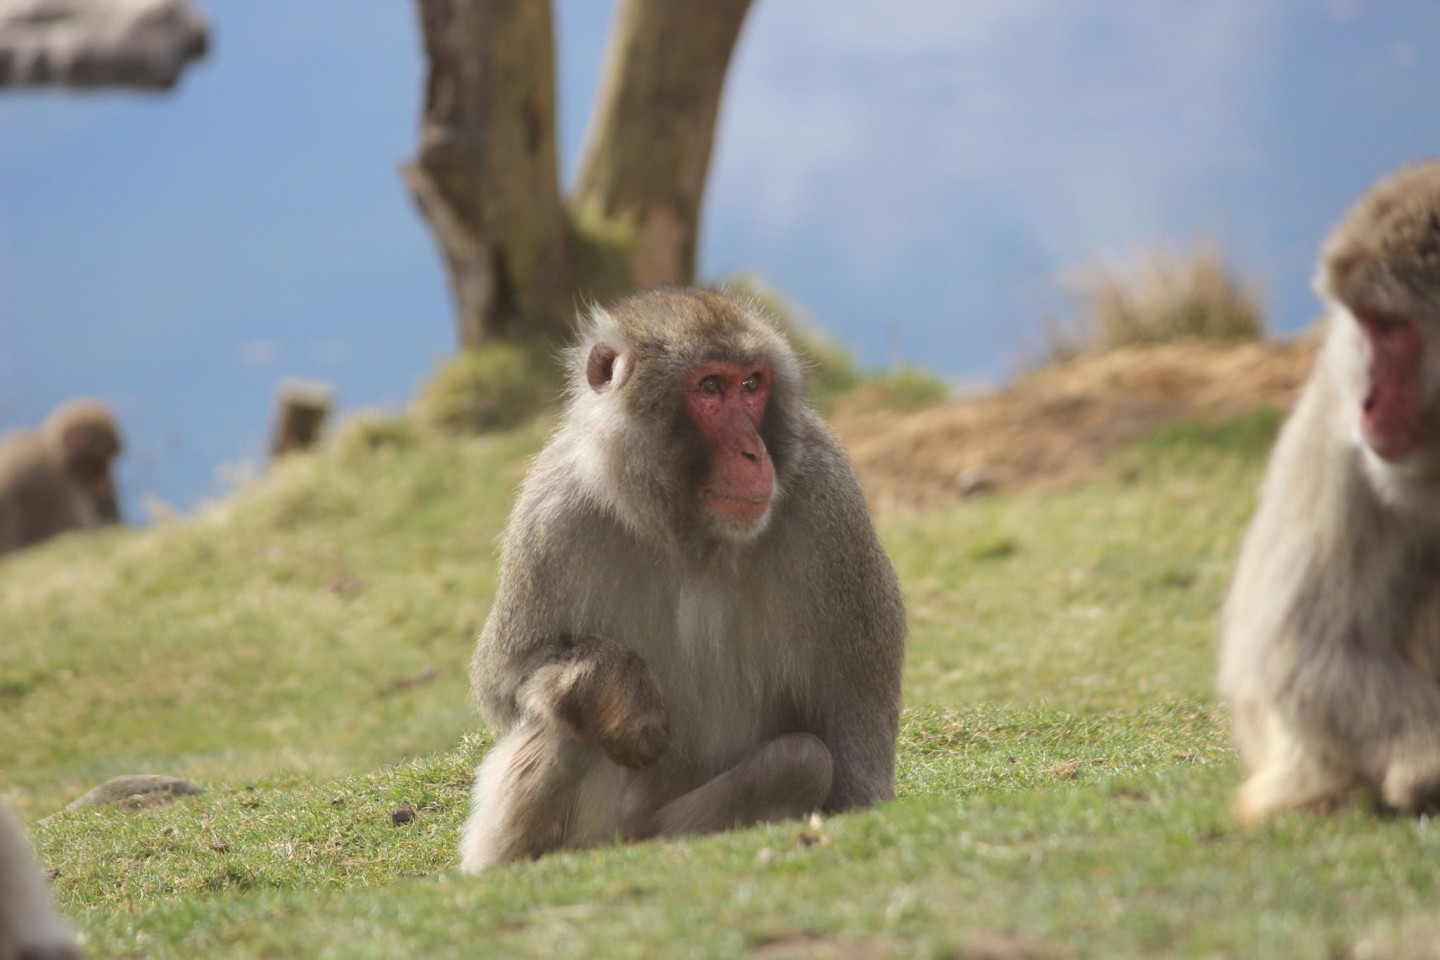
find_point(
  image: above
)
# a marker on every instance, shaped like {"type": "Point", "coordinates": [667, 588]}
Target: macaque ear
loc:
{"type": "Point", "coordinates": [606, 367]}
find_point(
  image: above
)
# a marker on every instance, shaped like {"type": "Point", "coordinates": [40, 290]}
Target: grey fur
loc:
{"type": "Point", "coordinates": [29, 927]}
{"type": "Point", "coordinates": [651, 672]}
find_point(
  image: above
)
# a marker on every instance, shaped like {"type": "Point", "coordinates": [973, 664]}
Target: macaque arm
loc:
{"type": "Point", "coordinates": [864, 761]}
{"type": "Point", "coordinates": [862, 708]}
{"type": "Point", "coordinates": [601, 692]}
{"type": "Point", "coordinates": [855, 708]}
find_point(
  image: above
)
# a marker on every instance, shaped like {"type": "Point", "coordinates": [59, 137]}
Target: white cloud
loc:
{"type": "Point", "coordinates": [331, 351]}
{"type": "Point", "coordinates": [1088, 125]}
{"type": "Point", "coordinates": [1343, 11]}
{"type": "Point", "coordinates": [914, 27]}
{"type": "Point", "coordinates": [780, 148]}
{"type": "Point", "coordinates": [258, 353]}
{"type": "Point", "coordinates": [1404, 54]}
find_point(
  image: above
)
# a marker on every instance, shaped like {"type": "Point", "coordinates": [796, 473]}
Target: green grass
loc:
{"type": "Point", "coordinates": [265, 637]}
{"type": "Point", "coordinates": [1064, 766]}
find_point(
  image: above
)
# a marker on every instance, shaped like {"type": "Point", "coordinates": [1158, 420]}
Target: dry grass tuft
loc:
{"type": "Point", "coordinates": [1162, 298]}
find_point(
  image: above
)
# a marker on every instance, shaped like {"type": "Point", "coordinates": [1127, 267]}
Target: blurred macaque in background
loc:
{"type": "Point", "coordinates": [58, 477]}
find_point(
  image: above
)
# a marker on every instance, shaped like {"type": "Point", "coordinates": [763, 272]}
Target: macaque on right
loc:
{"type": "Point", "coordinates": [29, 927]}
{"type": "Point", "coordinates": [1330, 653]}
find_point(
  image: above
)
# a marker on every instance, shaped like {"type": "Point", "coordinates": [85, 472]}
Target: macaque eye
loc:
{"type": "Point", "coordinates": [751, 383]}
{"type": "Point", "coordinates": [711, 385]}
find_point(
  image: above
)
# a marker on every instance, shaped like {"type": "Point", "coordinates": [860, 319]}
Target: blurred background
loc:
{"type": "Point", "coordinates": [920, 179]}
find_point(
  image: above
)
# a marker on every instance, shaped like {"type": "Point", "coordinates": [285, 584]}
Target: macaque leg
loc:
{"type": "Point", "coordinates": [1397, 712]}
{"type": "Point", "coordinates": [539, 789]}
{"type": "Point", "coordinates": [1422, 645]}
{"type": "Point", "coordinates": [1368, 718]}
{"type": "Point", "coordinates": [1286, 775]}
{"type": "Point", "coordinates": [780, 779]}
{"type": "Point", "coordinates": [1412, 781]}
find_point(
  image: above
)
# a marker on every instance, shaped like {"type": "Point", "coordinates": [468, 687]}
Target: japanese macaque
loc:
{"type": "Point", "coordinates": [1330, 655]}
{"type": "Point", "coordinates": [57, 478]}
{"type": "Point", "coordinates": [696, 627]}
{"type": "Point", "coordinates": [29, 926]}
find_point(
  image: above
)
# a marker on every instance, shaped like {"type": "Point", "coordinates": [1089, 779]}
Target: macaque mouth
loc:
{"type": "Point", "coordinates": [1391, 425]}
{"type": "Point", "coordinates": [1392, 447]}
{"type": "Point", "coordinates": [741, 509]}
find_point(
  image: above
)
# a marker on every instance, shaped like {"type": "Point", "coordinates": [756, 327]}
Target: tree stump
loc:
{"type": "Point", "coordinates": [301, 409]}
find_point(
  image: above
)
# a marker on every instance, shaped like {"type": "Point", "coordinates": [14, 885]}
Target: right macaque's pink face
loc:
{"type": "Point", "coordinates": [1392, 416]}
{"type": "Point", "coordinates": [726, 402]}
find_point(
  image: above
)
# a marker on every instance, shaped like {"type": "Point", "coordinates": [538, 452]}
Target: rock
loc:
{"type": "Point", "coordinates": [973, 481]}
{"type": "Point", "coordinates": [99, 43]}
{"type": "Point", "coordinates": [137, 792]}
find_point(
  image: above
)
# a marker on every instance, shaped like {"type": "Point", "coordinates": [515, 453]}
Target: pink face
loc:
{"type": "Point", "coordinates": [726, 402]}
{"type": "Point", "coordinates": [1392, 419]}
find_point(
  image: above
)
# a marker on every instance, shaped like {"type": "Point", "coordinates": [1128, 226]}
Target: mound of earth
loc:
{"type": "Point", "coordinates": [1055, 426]}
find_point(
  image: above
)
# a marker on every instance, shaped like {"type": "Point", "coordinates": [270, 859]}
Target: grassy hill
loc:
{"type": "Point", "coordinates": [302, 650]}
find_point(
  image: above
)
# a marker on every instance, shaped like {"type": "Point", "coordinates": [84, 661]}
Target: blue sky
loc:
{"type": "Point", "coordinates": [917, 174]}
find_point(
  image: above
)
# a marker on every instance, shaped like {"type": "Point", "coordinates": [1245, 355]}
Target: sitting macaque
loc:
{"type": "Point", "coordinates": [58, 477]}
{"type": "Point", "coordinates": [1330, 655]}
{"type": "Point", "coordinates": [696, 627]}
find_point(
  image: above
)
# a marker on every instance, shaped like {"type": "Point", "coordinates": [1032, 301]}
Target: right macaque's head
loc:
{"type": "Point", "coordinates": [1381, 266]}
{"type": "Point", "coordinates": [690, 401]}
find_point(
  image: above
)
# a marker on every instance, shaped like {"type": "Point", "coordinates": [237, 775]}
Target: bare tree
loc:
{"type": "Point", "coordinates": [648, 148]}
{"type": "Point", "coordinates": [485, 176]}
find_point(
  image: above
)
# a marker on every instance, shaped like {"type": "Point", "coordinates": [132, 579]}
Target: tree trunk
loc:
{"type": "Point", "coordinates": [485, 174]}
{"type": "Point", "coordinates": [647, 151]}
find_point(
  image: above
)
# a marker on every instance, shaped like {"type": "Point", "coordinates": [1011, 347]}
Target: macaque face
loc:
{"type": "Point", "coordinates": [1395, 418]}
{"type": "Point", "coordinates": [726, 402]}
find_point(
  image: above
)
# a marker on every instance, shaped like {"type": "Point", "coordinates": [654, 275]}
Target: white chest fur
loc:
{"type": "Point", "coordinates": [704, 617]}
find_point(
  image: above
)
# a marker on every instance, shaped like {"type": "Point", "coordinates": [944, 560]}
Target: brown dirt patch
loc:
{"type": "Point", "coordinates": [1054, 427]}
{"type": "Point", "coordinates": [804, 946]}
{"type": "Point", "coordinates": [978, 945]}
